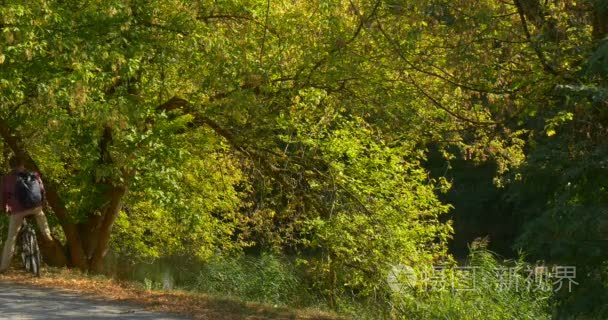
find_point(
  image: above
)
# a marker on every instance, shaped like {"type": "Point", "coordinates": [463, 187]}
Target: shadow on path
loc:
{"type": "Point", "coordinates": [23, 302]}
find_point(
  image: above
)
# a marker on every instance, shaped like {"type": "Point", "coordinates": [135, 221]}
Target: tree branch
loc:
{"type": "Point", "coordinates": [336, 48]}
{"type": "Point", "coordinates": [446, 109]}
{"type": "Point", "coordinates": [401, 56]}
{"type": "Point", "coordinates": [539, 53]}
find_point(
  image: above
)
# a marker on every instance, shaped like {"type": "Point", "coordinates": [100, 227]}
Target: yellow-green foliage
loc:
{"type": "Point", "coordinates": [194, 212]}
{"type": "Point", "coordinates": [302, 126]}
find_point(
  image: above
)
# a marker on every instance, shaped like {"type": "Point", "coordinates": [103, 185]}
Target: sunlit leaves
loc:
{"type": "Point", "coordinates": [305, 127]}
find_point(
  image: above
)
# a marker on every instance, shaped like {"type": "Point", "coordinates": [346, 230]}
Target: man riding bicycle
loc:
{"type": "Point", "coordinates": [17, 208]}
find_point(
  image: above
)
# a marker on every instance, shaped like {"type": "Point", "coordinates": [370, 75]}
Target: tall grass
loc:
{"type": "Point", "coordinates": [266, 278]}
{"type": "Point", "coordinates": [276, 280]}
{"type": "Point", "coordinates": [273, 279]}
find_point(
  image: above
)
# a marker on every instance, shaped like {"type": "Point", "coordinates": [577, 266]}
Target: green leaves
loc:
{"type": "Point", "coordinates": [556, 121]}
{"type": "Point", "coordinates": [300, 126]}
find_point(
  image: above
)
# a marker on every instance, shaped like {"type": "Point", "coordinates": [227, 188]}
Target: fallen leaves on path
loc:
{"type": "Point", "coordinates": [196, 305]}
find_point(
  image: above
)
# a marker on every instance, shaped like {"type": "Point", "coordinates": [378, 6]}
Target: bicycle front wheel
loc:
{"type": "Point", "coordinates": [34, 265]}
{"type": "Point", "coordinates": [30, 253]}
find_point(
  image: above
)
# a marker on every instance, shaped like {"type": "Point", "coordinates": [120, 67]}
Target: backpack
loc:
{"type": "Point", "coordinates": [28, 190]}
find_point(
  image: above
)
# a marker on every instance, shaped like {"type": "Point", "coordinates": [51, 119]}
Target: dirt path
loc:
{"type": "Point", "coordinates": [67, 294]}
{"type": "Point", "coordinates": [26, 302]}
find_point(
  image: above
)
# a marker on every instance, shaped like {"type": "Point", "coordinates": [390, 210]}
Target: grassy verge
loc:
{"type": "Point", "coordinates": [266, 278]}
{"type": "Point", "coordinates": [195, 305]}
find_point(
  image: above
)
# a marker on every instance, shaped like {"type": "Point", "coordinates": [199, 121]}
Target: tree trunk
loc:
{"type": "Point", "coordinates": [105, 229]}
{"type": "Point", "coordinates": [77, 256]}
{"type": "Point", "coordinates": [53, 253]}
{"type": "Point", "coordinates": [90, 233]}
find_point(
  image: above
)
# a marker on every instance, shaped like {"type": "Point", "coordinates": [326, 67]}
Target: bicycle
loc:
{"type": "Point", "coordinates": [30, 252]}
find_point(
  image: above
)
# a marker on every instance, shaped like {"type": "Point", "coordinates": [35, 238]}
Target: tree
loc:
{"type": "Point", "coordinates": [323, 113]}
{"type": "Point", "coordinates": [100, 95]}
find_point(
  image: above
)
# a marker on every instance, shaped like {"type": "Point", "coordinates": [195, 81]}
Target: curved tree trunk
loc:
{"type": "Point", "coordinates": [105, 229]}
{"type": "Point", "coordinates": [89, 232]}
{"type": "Point", "coordinates": [77, 256]}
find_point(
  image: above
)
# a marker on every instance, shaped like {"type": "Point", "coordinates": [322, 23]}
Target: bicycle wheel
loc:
{"type": "Point", "coordinates": [30, 266]}
{"type": "Point", "coordinates": [35, 257]}
{"type": "Point", "coordinates": [30, 253]}
{"type": "Point", "coordinates": [34, 265]}
{"type": "Point", "coordinates": [34, 253]}
{"type": "Point", "coordinates": [24, 247]}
